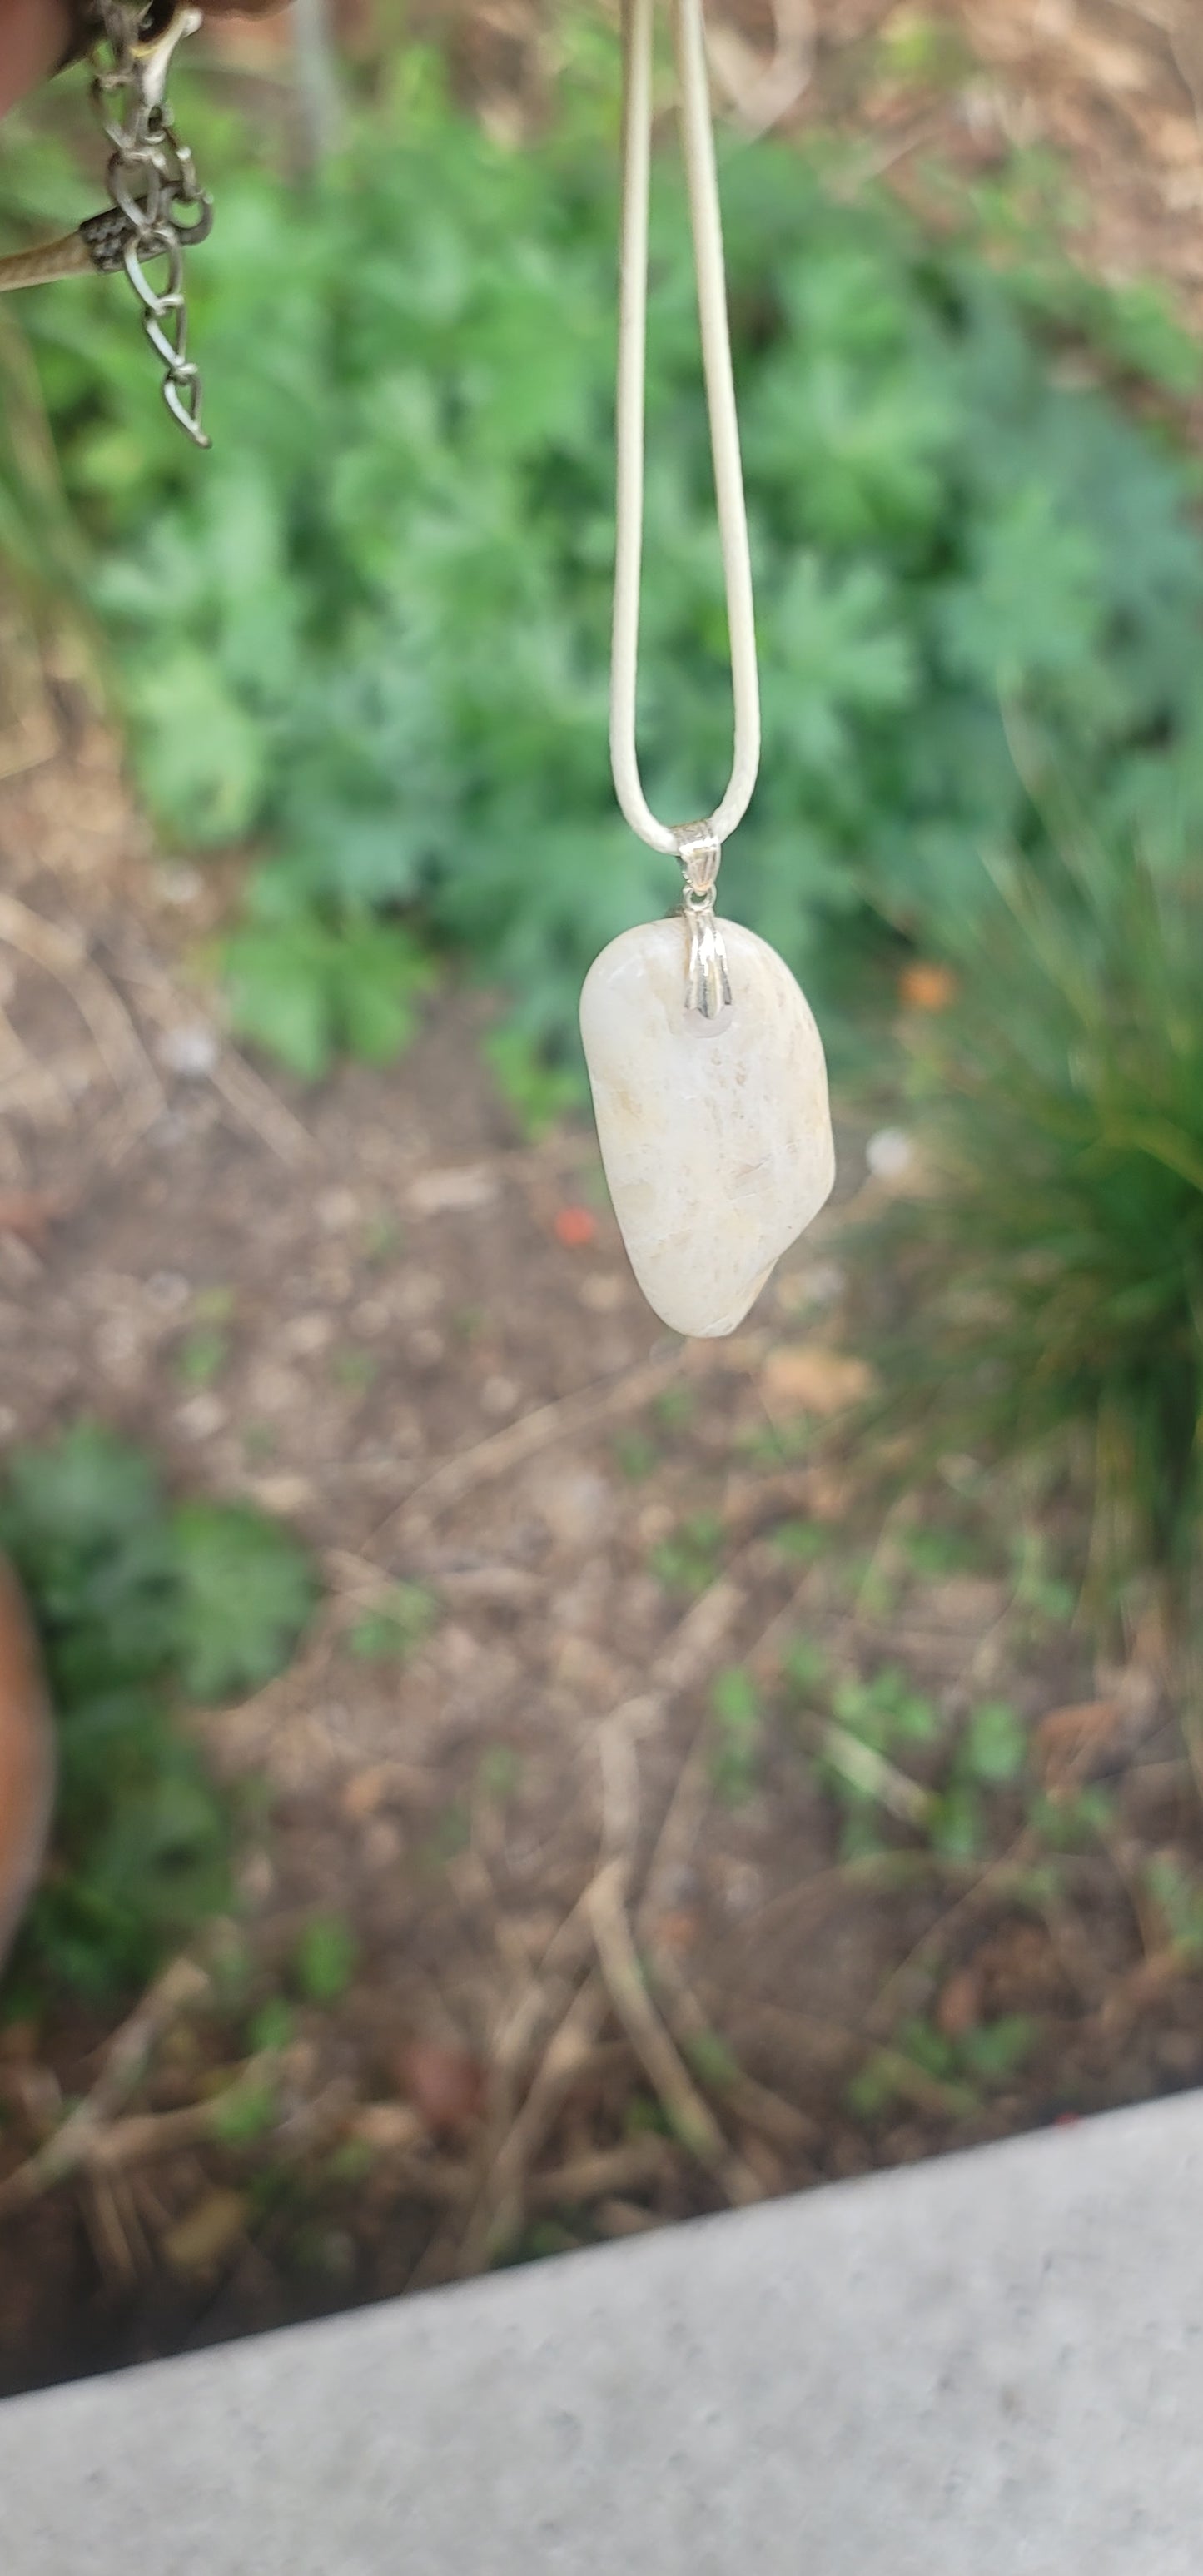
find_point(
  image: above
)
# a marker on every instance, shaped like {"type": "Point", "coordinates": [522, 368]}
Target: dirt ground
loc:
{"type": "Point", "coordinates": [615, 1964]}
{"type": "Point", "coordinates": [613, 1969]}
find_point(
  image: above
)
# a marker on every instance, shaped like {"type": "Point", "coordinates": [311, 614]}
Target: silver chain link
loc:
{"type": "Point", "coordinates": [152, 182]}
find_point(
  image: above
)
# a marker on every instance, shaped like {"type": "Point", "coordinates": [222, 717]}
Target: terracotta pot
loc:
{"type": "Point", "coordinates": [27, 1759]}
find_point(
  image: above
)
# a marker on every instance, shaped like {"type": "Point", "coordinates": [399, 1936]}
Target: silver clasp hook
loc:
{"type": "Point", "coordinates": [154, 54]}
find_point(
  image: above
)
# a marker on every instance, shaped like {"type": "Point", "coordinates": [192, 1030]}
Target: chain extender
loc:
{"type": "Point", "coordinates": [158, 207]}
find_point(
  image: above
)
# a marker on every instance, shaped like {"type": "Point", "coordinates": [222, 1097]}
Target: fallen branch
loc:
{"type": "Point", "coordinates": [692, 2120]}
{"type": "Point", "coordinates": [60, 954]}
{"type": "Point", "coordinates": [76, 2143]}
{"type": "Point", "coordinates": [633, 2166]}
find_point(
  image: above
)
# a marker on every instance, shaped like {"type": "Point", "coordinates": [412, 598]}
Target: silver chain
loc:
{"type": "Point", "coordinates": [152, 181]}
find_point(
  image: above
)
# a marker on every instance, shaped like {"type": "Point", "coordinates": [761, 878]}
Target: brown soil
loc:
{"type": "Point", "coordinates": [613, 1968]}
{"type": "Point", "coordinates": [435, 1387]}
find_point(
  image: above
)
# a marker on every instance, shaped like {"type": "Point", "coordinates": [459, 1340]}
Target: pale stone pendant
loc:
{"type": "Point", "coordinates": [715, 1133]}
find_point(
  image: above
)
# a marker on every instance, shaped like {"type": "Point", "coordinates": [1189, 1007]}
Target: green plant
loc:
{"type": "Point", "coordinates": [713, 2060]}
{"type": "Point", "coordinates": [1053, 1278]}
{"type": "Point", "coordinates": [925, 2067]}
{"type": "Point", "coordinates": [635, 1456]}
{"type": "Point", "coordinates": [803, 1542]}
{"type": "Point", "coordinates": [397, 1626]}
{"type": "Point", "coordinates": [245, 1592]}
{"type": "Point", "coordinates": [325, 1958]}
{"type": "Point", "coordinates": [873, 1724]}
{"type": "Point", "coordinates": [355, 1371]}
{"type": "Point", "coordinates": [990, 1752]}
{"type": "Point", "coordinates": [688, 1561]}
{"type": "Point", "coordinates": [369, 632]}
{"type": "Point", "coordinates": [737, 1730]}
{"type": "Point", "coordinates": [203, 1355]}
{"type": "Point", "coordinates": [246, 2114]}
{"type": "Point", "coordinates": [1178, 1898]}
{"type": "Point", "coordinates": [272, 2027]}
{"type": "Point", "coordinates": [134, 1602]}
{"type": "Point", "coordinates": [865, 1745]}
{"type": "Point", "coordinates": [499, 1774]}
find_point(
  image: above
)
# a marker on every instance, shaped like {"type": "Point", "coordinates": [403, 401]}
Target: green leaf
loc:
{"type": "Point", "coordinates": [246, 1592]}
{"type": "Point", "coordinates": [995, 1745]}
{"type": "Point", "coordinates": [394, 1630]}
{"type": "Point", "coordinates": [325, 1959]}
{"type": "Point", "coordinates": [997, 2050]}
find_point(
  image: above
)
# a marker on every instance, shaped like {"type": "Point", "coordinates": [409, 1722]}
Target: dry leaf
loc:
{"type": "Point", "coordinates": [444, 2083]}
{"type": "Point", "coordinates": [804, 1377]}
{"type": "Point", "coordinates": [207, 2233]}
{"type": "Point", "coordinates": [1070, 1740]}
{"type": "Point", "coordinates": [959, 2005]}
{"type": "Point", "coordinates": [677, 1931]}
{"type": "Point", "coordinates": [29, 1214]}
{"type": "Point", "coordinates": [388, 2124]}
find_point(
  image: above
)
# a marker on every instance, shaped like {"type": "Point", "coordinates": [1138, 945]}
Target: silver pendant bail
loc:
{"type": "Point", "coordinates": [707, 983]}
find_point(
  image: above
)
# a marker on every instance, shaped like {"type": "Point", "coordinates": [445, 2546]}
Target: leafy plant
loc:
{"type": "Point", "coordinates": [871, 1723]}
{"type": "Point", "coordinates": [245, 1591]}
{"type": "Point", "coordinates": [1054, 1273]}
{"type": "Point", "coordinates": [688, 1560]}
{"type": "Point", "coordinates": [865, 1749]}
{"type": "Point", "coordinates": [134, 1602]}
{"type": "Point", "coordinates": [325, 1958]}
{"type": "Point", "coordinates": [394, 1630]}
{"type": "Point", "coordinates": [938, 2072]}
{"type": "Point", "coordinates": [369, 632]}
{"type": "Point", "coordinates": [737, 1729]}
{"type": "Point", "coordinates": [1178, 1897]}
{"type": "Point", "coordinates": [991, 1752]}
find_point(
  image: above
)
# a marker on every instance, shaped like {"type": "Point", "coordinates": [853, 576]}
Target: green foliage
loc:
{"type": "Point", "coordinates": [539, 1093]}
{"type": "Point", "coordinates": [134, 1602]}
{"type": "Point", "coordinates": [991, 1752]}
{"type": "Point", "coordinates": [1054, 1281]}
{"type": "Point", "coordinates": [1178, 1897]}
{"type": "Point", "coordinates": [713, 2060]}
{"type": "Point", "coordinates": [325, 1959]}
{"type": "Point", "coordinates": [245, 1592]}
{"type": "Point", "coordinates": [881, 1729]}
{"type": "Point", "coordinates": [305, 985]}
{"type": "Point", "coordinates": [635, 1455]}
{"type": "Point", "coordinates": [246, 2114]}
{"type": "Point", "coordinates": [886, 1713]}
{"type": "Point", "coordinates": [803, 1542]}
{"type": "Point", "coordinates": [370, 631]}
{"type": "Point", "coordinates": [272, 2027]}
{"type": "Point", "coordinates": [399, 1624]}
{"type": "Point", "coordinates": [951, 2074]}
{"type": "Point", "coordinates": [499, 1774]}
{"type": "Point", "coordinates": [689, 1560]}
{"type": "Point", "coordinates": [737, 1729]}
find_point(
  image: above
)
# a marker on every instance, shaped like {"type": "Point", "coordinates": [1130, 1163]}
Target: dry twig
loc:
{"type": "Point", "coordinates": [692, 2119]}
{"type": "Point", "coordinates": [76, 2143]}
{"type": "Point", "coordinates": [604, 1401]}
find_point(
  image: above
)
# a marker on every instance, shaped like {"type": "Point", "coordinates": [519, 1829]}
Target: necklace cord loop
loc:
{"type": "Point", "coordinates": [697, 140]}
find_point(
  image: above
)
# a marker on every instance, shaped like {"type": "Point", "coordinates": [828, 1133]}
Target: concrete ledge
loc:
{"type": "Point", "coordinates": [990, 2366]}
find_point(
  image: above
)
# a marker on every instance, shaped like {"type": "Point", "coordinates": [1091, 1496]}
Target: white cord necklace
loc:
{"type": "Point", "coordinates": [709, 1084]}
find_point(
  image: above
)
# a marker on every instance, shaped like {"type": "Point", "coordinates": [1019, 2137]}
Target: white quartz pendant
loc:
{"type": "Point", "coordinates": [715, 1133]}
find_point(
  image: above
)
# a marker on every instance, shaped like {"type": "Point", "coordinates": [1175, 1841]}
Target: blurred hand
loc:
{"type": "Point", "coordinates": [34, 35]}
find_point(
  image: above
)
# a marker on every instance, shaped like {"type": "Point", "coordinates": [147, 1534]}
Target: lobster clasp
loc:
{"type": "Point", "coordinates": [154, 51]}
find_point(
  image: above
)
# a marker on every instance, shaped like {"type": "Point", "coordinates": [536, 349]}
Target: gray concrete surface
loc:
{"type": "Point", "coordinates": [991, 2366]}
